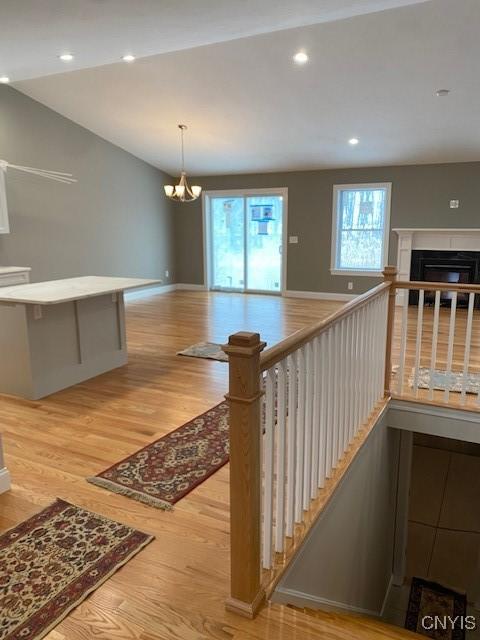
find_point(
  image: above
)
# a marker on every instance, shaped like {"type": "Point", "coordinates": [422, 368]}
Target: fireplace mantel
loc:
{"type": "Point", "coordinates": [433, 239]}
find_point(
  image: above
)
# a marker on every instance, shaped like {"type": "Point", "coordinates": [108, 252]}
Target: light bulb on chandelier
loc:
{"type": "Point", "coordinates": [182, 192]}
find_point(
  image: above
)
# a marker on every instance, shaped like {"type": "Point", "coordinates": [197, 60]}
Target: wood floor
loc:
{"type": "Point", "coordinates": [175, 588]}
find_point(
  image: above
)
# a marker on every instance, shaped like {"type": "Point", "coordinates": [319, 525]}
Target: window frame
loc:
{"type": "Point", "coordinates": [337, 188]}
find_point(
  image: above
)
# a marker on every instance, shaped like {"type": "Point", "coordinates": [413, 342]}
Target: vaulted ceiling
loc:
{"type": "Point", "coordinates": [225, 69]}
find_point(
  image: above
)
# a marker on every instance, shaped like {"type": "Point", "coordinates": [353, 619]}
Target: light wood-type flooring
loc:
{"type": "Point", "coordinates": [175, 588]}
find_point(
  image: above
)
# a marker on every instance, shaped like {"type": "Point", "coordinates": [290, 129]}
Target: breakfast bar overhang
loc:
{"type": "Point", "coordinates": [59, 333]}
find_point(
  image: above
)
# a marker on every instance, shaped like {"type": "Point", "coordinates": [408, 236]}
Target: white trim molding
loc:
{"type": "Point", "coordinates": [190, 287]}
{"type": "Point", "coordinates": [320, 295]}
{"type": "Point", "coordinates": [283, 595]}
{"type": "Point", "coordinates": [147, 292]}
{"type": "Point", "coordinates": [337, 189]}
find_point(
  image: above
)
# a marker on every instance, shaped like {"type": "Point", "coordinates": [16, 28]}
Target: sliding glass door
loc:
{"type": "Point", "coordinates": [245, 241]}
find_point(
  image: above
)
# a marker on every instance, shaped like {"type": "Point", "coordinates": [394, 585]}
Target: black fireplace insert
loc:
{"type": "Point", "coordinates": [456, 267]}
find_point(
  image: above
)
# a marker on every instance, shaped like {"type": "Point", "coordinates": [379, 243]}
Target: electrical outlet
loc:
{"type": "Point", "coordinates": [350, 286]}
{"type": "Point", "coordinates": [454, 204]}
{"type": "Point", "coordinates": [167, 273]}
{"type": "Point", "coordinates": [293, 240]}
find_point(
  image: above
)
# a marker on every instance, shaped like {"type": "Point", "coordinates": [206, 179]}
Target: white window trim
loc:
{"type": "Point", "coordinates": [334, 270]}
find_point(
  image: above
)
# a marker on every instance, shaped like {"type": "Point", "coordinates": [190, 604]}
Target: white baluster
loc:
{"type": "Point", "coordinates": [268, 469]}
{"type": "Point", "coordinates": [451, 337]}
{"type": "Point", "coordinates": [281, 434]}
{"type": "Point", "coordinates": [433, 359]}
{"type": "Point", "coordinates": [356, 377]}
{"type": "Point", "coordinates": [364, 368]}
{"type": "Point", "coordinates": [307, 465]}
{"type": "Point", "coordinates": [403, 342]}
{"type": "Point", "coordinates": [330, 403]}
{"type": "Point", "coordinates": [336, 394]}
{"type": "Point", "coordinates": [291, 441]}
{"type": "Point", "coordinates": [315, 418]}
{"type": "Point", "coordinates": [324, 375]}
{"type": "Point", "coordinates": [341, 375]}
{"type": "Point", "coordinates": [468, 342]}
{"type": "Point", "coordinates": [348, 381]}
{"type": "Point", "coordinates": [300, 435]}
{"type": "Point", "coordinates": [418, 342]}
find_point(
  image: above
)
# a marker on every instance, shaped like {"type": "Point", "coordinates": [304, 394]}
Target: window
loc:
{"type": "Point", "coordinates": [360, 229]}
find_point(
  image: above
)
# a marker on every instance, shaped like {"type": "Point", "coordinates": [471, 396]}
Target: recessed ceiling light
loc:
{"type": "Point", "coordinates": [300, 57]}
{"type": "Point", "coordinates": [441, 93]}
{"type": "Point", "coordinates": [4, 79]}
{"type": "Point", "coordinates": [353, 141]}
{"type": "Point", "coordinates": [128, 58]}
{"type": "Point", "coordinates": [66, 57]}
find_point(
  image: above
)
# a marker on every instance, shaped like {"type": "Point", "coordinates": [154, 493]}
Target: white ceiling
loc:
{"type": "Point", "coordinates": [100, 32]}
{"type": "Point", "coordinates": [249, 108]}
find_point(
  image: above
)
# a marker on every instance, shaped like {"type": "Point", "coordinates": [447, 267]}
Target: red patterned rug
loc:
{"type": "Point", "coordinates": [51, 562]}
{"type": "Point", "coordinates": [165, 471]}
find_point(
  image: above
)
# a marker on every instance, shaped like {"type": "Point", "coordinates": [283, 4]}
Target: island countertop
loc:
{"type": "Point", "coordinates": [69, 289]}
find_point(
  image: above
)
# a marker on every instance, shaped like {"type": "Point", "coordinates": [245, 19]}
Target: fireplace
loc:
{"type": "Point", "coordinates": [456, 267]}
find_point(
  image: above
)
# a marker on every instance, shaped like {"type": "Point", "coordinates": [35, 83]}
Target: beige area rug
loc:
{"type": "Point", "coordinates": [208, 350]}
{"type": "Point", "coordinates": [442, 380]}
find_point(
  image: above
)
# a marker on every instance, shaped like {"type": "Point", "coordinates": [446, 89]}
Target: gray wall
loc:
{"type": "Point", "coordinates": [114, 221]}
{"type": "Point", "coordinates": [348, 556]}
{"type": "Point", "coordinates": [420, 198]}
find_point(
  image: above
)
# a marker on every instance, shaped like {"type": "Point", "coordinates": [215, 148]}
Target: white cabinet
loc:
{"type": "Point", "coordinates": [10, 276]}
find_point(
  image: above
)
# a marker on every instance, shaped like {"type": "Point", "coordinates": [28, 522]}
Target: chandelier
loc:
{"type": "Point", "coordinates": [182, 192]}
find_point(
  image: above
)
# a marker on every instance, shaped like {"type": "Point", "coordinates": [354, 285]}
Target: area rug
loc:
{"type": "Point", "coordinates": [208, 350]}
{"type": "Point", "coordinates": [446, 380]}
{"type": "Point", "coordinates": [163, 472]}
{"type": "Point", "coordinates": [429, 599]}
{"type": "Point", "coordinates": [52, 561]}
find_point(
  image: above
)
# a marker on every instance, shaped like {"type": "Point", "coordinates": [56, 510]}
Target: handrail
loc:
{"type": "Point", "coordinates": [436, 286]}
{"type": "Point", "coordinates": [293, 342]}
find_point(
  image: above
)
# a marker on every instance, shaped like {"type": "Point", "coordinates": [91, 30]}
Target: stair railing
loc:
{"type": "Point", "coordinates": [295, 409]}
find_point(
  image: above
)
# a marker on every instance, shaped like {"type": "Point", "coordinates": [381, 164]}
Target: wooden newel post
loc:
{"type": "Point", "coordinates": [244, 395]}
{"type": "Point", "coordinates": [390, 275]}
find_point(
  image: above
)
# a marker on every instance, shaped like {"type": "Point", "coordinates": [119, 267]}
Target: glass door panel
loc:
{"type": "Point", "coordinates": [264, 243]}
{"type": "Point", "coordinates": [227, 224]}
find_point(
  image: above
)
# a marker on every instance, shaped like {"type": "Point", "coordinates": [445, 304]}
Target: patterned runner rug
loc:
{"type": "Point", "coordinates": [432, 608]}
{"type": "Point", "coordinates": [52, 561]}
{"type": "Point", "coordinates": [163, 472]}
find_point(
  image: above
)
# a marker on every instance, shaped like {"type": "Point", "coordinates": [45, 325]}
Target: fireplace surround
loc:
{"type": "Point", "coordinates": [448, 243]}
{"type": "Point", "coordinates": [456, 267]}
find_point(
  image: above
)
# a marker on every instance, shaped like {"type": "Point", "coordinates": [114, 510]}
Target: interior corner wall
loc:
{"type": "Point", "coordinates": [420, 198]}
{"type": "Point", "coordinates": [115, 221]}
{"type": "Point", "coordinates": [346, 561]}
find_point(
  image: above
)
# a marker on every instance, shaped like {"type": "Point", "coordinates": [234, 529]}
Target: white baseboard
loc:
{"type": "Point", "coordinates": [320, 295]}
{"type": "Point", "coordinates": [283, 595]}
{"type": "Point", "coordinates": [4, 480]}
{"type": "Point", "coordinates": [146, 292]}
{"type": "Point", "coordinates": [190, 287]}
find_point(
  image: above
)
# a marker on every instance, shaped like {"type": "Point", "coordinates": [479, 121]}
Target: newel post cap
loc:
{"type": "Point", "coordinates": [390, 273]}
{"type": "Point", "coordinates": [244, 343]}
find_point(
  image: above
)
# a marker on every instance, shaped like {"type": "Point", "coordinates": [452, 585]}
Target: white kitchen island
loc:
{"type": "Point", "coordinates": [56, 334]}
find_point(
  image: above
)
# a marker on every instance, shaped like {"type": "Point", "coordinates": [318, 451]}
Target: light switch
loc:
{"type": "Point", "coordinates": [293, 239]}
{"type": "Point", "coordinates": [454, 204]}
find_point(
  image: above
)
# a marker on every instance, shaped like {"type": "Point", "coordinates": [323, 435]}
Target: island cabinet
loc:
{"type": "Point", "coordinates": [56, 334]}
